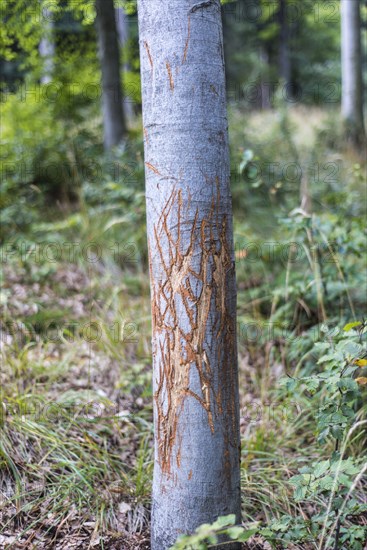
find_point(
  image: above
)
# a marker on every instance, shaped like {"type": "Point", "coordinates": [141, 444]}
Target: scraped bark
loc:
{"type": "Point", "coordinates": [193, 292]}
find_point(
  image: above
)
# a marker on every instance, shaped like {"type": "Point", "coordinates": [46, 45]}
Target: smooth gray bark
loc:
{"type": "Point", "coordinates": [46, 48]}
{"type": "Point", "coordinates": [192, 270]}
{"type": "Point", "coordinates": [113, 117]}
{"type": "Point", "coordinates": [352, 84]}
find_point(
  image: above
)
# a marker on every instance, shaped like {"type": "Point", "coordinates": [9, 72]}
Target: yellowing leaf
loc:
{"type": "Point", "coordinates": [361, 362]}
{"type": "Point", "coordinates": [349, 326]}
{"type": "Point", "coordinates": [362, 380]}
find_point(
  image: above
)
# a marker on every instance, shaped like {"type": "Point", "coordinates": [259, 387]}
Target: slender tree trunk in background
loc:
{"type": "Point", "coordinates": [352, 84]}
{"type": "Point", "coordinates": [113, 117]}
{"type": "Point", "coordinates": [305, 194]}
{"type": "Point", "coordinates": [123, 36]}
{"type": "Point", "coordinates": [193, 289]}
{"type": "Point", "coordinates": [284, 57]}
{"type": "Point", "coordinates": [265, 100]}
{"type": "Point", "coordinates": [46, 48]}
{"type": "Point", "coordinates": [121, 25]}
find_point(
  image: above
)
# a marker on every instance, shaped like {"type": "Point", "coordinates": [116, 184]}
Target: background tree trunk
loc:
{"type": "Point", "coordinates": [46, 48]}
{"type": "Point", "coordinates": [265, 85]}
{"type": "Point", "coordinates": [113, 117]}
{"type": "Point", "coordinates": [193, 292]}
{"type": "Point", "coordinates": [352, 85]}
{"type": "Point", "coordinates": [284, 57]}
{"type": "Point", "coordinates": [123, 36]}
{"type": "Point", "coordinates": [305, 194]}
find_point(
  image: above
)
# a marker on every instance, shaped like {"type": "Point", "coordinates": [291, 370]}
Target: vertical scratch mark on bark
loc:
{"type": "Point", "coordinates": [170, 77]}
{"type": "Point", "coordinates": [187, 40]}
{"type": "Point", "coordinates": [178, 458]}
{"type": "Point", "coordinates": [149, 54]}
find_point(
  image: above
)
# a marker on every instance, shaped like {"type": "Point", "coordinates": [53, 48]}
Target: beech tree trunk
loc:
{"type": "Point", "coordinates": [112, 100]}
{"type": "Point", "coordinates": [192, 270]}
{"type": "Point", "coordinates": [352, 84]}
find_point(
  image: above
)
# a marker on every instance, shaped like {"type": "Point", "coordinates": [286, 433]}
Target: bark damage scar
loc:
{"type": "Point", "coordinates": [202, 5]}
{"type": "Point", "coordinates": [146, 46]}
{"type": "Point", "coordinates": [153, 168]}
{"type": "Point", "coordinates": [176, 351]}
{"type": "Point", "coordinates": [170, 77]}
{"type": "Point", "coordinates": [187, 40]}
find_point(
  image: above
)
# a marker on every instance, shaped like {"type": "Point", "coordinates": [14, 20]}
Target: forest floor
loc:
{"type": "Point", "coordinates": [76, 399]}
{"type": "Point", "coordinates": [76, 446]}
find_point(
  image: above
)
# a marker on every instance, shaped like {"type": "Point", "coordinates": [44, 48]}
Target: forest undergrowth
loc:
{"type": "Point", "coordinates": [76, 398]}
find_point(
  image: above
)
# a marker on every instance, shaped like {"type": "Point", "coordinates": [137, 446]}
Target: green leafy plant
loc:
{"type": "Point", "coordinates": [209, 535]}
{"type": "Point", "coordinates": [326, 487]}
